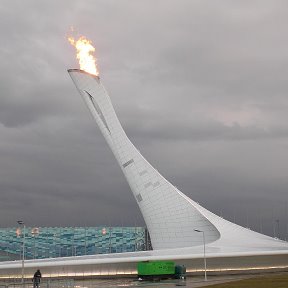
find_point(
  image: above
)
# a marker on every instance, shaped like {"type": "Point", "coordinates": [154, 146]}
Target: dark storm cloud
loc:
{"type": "Point", "coordinates": [179, 130]}
{"type": "Point", "coordinates": [199, 86]}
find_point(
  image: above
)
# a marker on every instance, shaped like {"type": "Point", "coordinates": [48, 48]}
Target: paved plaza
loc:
{"type": "Point", "coordinates": [190, 282]}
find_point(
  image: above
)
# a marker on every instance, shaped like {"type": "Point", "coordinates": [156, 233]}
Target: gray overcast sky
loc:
{"type": "Point", "coordinates": [199, 86]}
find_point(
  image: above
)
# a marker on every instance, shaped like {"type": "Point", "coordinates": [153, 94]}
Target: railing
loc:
{"type": "Point", "coordinates": [65, 283]}
{"type": "Point", "coordinates": [45, 283]}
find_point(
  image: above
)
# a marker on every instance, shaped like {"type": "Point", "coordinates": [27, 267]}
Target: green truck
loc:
{"type": "Point", "coordinates": [157, 270]}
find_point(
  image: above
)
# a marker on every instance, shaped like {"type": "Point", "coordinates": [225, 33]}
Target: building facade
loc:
{"type": "Point", "coordinates": [51, 242]}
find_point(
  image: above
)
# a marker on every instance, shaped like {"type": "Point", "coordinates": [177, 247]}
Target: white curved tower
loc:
{"type": "Point", "coordinates": [171, 217]}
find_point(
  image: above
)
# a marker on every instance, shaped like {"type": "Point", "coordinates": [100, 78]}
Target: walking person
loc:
{"type": "Point", "coordinates": [36, 279]}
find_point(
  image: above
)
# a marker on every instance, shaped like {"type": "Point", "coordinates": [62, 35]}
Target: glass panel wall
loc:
{"type": "Point", "coordinates": [50, 242]}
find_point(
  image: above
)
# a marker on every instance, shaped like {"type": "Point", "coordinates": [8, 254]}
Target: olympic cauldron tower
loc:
{"type": "Point", "coordinates": [171, 217]}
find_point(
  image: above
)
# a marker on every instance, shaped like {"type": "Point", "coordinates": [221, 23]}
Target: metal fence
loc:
{"type": "Point", "coordinates": [49, 283]}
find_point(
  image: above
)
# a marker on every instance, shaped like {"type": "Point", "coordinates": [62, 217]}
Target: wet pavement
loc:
{"type": "Point", "coordinates": [189, 282]}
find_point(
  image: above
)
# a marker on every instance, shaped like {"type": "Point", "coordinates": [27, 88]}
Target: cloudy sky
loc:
{"type": "Point", "coordinates": [199, 86]}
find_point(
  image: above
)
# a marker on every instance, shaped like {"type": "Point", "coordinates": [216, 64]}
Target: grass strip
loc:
{"type": "Point", "coordinates": [269, 281]}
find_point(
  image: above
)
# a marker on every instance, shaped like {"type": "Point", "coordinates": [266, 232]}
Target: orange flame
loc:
{"type": "Point", "coordinates": [86, 59]}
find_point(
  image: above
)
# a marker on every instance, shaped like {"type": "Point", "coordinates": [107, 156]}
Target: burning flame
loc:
{"type": "Point", "coordinates": [85, 55]}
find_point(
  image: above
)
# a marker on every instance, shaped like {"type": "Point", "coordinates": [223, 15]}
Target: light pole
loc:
{"type": "Point", "coordinates": [204, 246]}
{"type": "Point", "coordinates": [278, 228]}
{"type": "Point", "coordinates": [34, 233]}
{"type": "Point", "coordinates": [21, 223]}
{"type": "Point", "coordinates": [55, 245]}
{"type": "Point", "coordinates": [85, 250]}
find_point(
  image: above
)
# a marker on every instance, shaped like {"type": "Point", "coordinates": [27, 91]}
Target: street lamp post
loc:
{"type": "Point", "coordinates": [278, 228]}
{"type": "Point", "coordinates": [85, 250]}
{"type": "Point", "coordinates": [204, 250]}
{"type": "Point", "coordinates": [34, 233]}
{"type": "Point", "coordinates": [55, 244]}
{"type": "Point", "coordinates": [21, 223]}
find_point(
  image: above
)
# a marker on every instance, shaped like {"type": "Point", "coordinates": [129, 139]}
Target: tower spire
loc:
{"type": "Point", "coordinates": [170, 216]}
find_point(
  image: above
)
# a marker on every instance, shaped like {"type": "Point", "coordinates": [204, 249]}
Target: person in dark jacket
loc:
{"type": "Point", "coordinates": [37, 279]}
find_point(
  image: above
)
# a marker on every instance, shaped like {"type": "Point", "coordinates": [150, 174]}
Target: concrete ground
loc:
{"type": "Point", "coordinates": [189, 282]}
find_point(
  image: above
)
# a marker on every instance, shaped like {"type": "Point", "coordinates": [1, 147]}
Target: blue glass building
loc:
{"type": "Point", "coordinates": [46, 242]}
